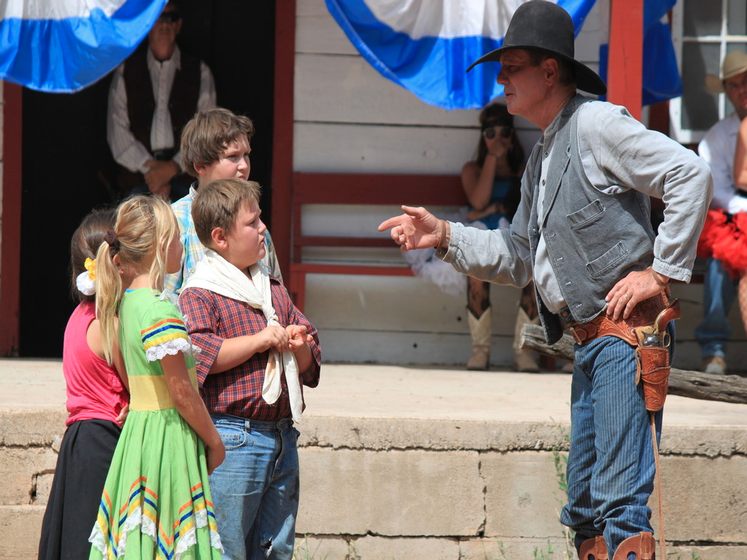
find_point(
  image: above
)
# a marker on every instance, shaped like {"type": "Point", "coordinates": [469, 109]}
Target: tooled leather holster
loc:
{"type": "Point", "coordinates": [645, 330]}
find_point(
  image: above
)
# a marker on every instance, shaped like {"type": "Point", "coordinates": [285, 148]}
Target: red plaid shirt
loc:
{"type": "Point", "coordinates": [212, 318]}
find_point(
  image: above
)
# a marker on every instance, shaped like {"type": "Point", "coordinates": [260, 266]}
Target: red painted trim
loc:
{"type": "Point", "coordinates": [625, 79]}
{"type": "Point", "coordinates": [282, 149]}
{"type": "Point", "coordinates": [10, 258]}
{"type": "Point", "coordinates": [364, 270]}
{"type": "Point", "coordinates": [362, 189]}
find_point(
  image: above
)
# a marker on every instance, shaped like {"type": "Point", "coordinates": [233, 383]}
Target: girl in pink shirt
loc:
{"type": "Point", "coordinates": [97, 398]}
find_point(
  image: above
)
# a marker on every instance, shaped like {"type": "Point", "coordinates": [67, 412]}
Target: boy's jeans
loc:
{"type": "Point", "coordinates": [611, 462]}
{"type": "Point", "coordinates": [256, 488]}
{"type": "Point", "coordinates": [714, 331]}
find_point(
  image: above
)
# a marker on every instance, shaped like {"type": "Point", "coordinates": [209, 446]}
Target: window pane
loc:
{"type": "Point", "coordinates": [702, 17]}
{"type": "Point", "coordinates": [699, 106]}
{"type": "Point", "coordinates": [736, 21]}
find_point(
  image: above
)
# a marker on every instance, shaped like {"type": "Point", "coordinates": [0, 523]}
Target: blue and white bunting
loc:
{"type": "Point", "coordinates": [426, 46]}
{"type": "Point", "coordinates": [62, 46]}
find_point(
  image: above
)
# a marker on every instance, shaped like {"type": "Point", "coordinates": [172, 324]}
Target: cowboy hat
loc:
{"type": "Point", "coordinates": [734, 64]}
{"type": "Point", "coordinates": [544, 26]}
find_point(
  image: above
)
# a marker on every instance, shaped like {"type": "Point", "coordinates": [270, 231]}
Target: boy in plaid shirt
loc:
{"type": "Point", "coordinates": [257, 350]}
{"type": "Point", "coordinates": [215, 145]}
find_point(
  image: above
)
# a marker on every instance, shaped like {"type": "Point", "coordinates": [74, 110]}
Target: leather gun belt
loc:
{"type": "Point", "coordinates": [643, 314]}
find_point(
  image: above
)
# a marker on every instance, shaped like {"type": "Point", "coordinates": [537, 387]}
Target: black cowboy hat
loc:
{"type": "Point", "coordinates": [544, 26]}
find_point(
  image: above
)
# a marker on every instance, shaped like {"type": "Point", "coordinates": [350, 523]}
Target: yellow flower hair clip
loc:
{"type": "Point", "coordinates": [86, 280]}
{"type": "Point", "coordinates": [90, 266]}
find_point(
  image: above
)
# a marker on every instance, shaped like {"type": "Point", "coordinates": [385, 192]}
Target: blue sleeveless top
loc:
{"type": "Point", "coordinates": [499, 194]}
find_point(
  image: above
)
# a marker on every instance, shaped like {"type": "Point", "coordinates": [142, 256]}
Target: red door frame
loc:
{"type": "Point", "coordinates": [10, 258]}
{"type": "Point", "coordinates": [625, 65]}
{"type": "Point", "coordinates": [282, 148]}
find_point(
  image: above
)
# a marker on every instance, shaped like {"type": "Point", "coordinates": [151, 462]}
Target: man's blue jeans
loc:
{"type": "Point", "coordinates": [611, 460]}
{"type": "Point", "coordinates": [719, 290]}
{"type": "Point", "coordinates": [256, 488]}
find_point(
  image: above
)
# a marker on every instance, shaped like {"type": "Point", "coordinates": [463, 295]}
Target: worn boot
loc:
{"type": "Point", "coordinates": [481, 330]}
{"type": "Point", "coordinates": [638, 547]}
{"type": "Point", "coordinates": [593, 549]}
{"type": "Point", "coordinates": [524, 360]}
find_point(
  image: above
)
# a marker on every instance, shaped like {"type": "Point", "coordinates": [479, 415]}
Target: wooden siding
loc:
{"type": "Point", "coordinates": [350, 119]}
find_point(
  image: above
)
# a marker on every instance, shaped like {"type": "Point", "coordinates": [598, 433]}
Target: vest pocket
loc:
{"type": "Point", "coordinates": [603, 264]}
{"type": "Point", "coordinates": [589, 214]}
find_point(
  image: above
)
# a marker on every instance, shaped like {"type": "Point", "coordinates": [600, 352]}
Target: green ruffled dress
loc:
{"type": "Point", "coordinates": [156, 501]}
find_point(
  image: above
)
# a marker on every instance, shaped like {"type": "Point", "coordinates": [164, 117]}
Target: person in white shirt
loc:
{"type": "Point", "coordinates": [144, 123]}
{"type": "Point", "coordinates": [718, 148]}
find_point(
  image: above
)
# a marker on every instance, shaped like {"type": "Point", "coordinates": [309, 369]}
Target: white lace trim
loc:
{"type": "Point", "coordinates": [97, 540]}
{"type": "Point", "coordinates": [189, 538]}
{"type": "Point", "coordinates": [172, 348]}
{"type": "Point", "coordinates": [185, 541]}
{"type": "Point", "coordinates": [148, 528]}
{"type": "Point", "coordinates": [215, 541]}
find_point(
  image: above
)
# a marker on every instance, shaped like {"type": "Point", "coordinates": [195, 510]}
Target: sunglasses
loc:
{"type": "Point", "coordinates": [490, 133]}
{"type": "Point", "coordinates": [169, 17]}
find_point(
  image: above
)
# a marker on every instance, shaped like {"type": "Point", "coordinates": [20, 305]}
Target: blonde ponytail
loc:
{"type": "Point", "coordinates": [108, 295]}
{"type": "Point", "coordinates": [145, 227]}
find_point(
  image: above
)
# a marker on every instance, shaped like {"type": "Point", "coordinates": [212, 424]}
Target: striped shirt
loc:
{"type": "Point", "coordinates": [212, 318]}
{"type": "Point", "coordinates": [127, 151]}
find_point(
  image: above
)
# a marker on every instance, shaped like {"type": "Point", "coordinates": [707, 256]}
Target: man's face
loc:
{"type": "Point", "coordinates": [736, 90]}
{"type": "Point", "coordinates": [167, 27]}
{"type": "Point", "coordinates": [246, 240]}
{"type": "Point", "coordinates": [233, 163]}
{"type": "Point", "coordinates": [523, 83]}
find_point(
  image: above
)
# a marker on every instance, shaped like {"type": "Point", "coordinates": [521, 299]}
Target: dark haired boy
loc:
{"type": "Point", "coordinates": [257, 351]}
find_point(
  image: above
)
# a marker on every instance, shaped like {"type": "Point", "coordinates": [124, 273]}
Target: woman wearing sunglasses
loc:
{"type": "Point", "coordinates": [492, 184]}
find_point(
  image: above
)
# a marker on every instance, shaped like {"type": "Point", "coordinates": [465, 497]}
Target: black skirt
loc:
{"type": "Point", "coordinates": [82, 465]}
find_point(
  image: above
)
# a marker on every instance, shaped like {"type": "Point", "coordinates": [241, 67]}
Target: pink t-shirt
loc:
{"type": "Point", "coordinates": [94, 389]}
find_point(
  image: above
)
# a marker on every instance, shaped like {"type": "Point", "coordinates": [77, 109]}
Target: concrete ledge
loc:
{"type": "Point", "coordinates": [411, 464]}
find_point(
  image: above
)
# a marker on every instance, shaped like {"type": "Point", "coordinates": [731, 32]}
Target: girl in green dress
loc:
{"type": "Point", "coordinates": [156, 501]}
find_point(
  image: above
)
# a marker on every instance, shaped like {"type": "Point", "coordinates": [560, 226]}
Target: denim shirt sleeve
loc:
{"type": "Point", "coordinates": [500, 256]}
{"type": "Point", "coordinates": [625, 154]}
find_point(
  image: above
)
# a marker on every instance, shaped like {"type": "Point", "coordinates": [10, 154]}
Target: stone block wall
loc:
{"type": "Point", "coordinates": [422, 489]}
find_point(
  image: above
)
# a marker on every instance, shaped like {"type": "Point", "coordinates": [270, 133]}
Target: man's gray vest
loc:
{"type": "Point", "coordinates": [593, 239]}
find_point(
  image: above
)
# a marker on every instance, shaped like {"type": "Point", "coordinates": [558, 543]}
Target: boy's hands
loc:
{"type": "Point", "coordinates": [292, 337]}
{"type": "Point", "coordinates": [297, 337]}
{"type": "Point", "coordinates": [272, 337]}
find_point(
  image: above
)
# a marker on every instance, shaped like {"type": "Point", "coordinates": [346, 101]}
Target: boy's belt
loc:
{"type": "Point", "coordinates": [643, 314]}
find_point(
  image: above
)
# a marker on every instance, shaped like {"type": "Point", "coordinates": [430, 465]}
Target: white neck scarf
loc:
{"type": "Point", "coordinates": [216, 274]}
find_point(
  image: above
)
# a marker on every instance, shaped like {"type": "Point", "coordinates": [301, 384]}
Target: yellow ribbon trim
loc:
{"type": "Point", "coordinates": [149, 392]}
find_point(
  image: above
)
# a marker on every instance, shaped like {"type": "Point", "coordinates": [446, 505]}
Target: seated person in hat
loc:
{"type": "Point", "coordinates": [723, 260]}
{"type": "Point", "coordinates": [583, 233]}
{"type": "Point", "coordinates": [152, 96]}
